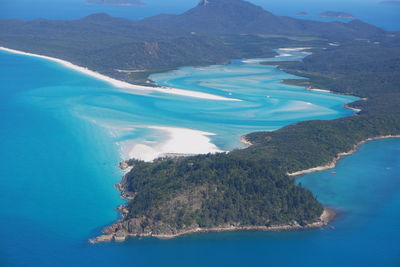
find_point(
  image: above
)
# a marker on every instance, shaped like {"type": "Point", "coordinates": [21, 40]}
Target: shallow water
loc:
{"type": "Point", "coordinates": [63, 134]}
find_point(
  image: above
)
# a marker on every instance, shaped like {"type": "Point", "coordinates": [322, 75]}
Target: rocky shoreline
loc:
{"type": "Point", "coordinates": [112, 234]}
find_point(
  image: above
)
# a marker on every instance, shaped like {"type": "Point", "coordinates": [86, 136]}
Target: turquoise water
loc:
{"type": "Point", "coordinates": [64, 133]}
{"type": "Point", "coordinates": [267, 104]}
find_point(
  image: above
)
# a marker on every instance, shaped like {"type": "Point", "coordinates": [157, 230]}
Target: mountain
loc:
{"type": "Point", "coordinates": [213, 16]}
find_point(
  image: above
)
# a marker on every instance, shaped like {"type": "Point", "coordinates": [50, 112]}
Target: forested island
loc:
{"type": "Point", "coordinates": [302, 14]}
{"type": "Point", "coordinates": [245, 189]}
{"type": "Point", "coordinates": [335, 14]}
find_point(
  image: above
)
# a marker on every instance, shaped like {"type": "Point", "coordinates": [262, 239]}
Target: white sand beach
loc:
{"type": "Point", "coordinates": [284, 55]}
{"type": "Point", "coordinates": [179, 141]}
{"type": "Point", "coordinates": [319, 90]}
{"type": "Point", "coordinates": [121, 84]}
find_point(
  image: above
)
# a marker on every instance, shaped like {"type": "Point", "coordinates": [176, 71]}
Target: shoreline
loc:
{"type": "Point", "coordinates": [339, 156]}
{"type": "Point", "coordinates": [246, 142]}
{"type": "Point", "coordinates": [357, 110]}
{"type": "Point", "coordinates": [122, 84]}
{"type": "Point", "coordinates": [325, 218]}
{"type": "Point", "coordinates": [320, 90]}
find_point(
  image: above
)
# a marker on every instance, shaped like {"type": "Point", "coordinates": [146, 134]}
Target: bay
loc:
{"type": "Point", "coordinates": [63, 134]}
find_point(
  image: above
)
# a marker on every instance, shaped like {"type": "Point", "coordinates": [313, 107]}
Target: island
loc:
{"type": "Point", "coordinates": [115, 2]}
{"type": "Point", "coordinates": [302, 14]}
{"type": "Point", "coordinates": [245, 189]}
{"type": "Point", "coordinates": [335, 14]}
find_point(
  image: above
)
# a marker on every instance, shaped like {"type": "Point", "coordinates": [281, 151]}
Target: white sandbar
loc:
{"type": "Point", "coordinates": [121, 84]}
{"type": "Point", "coordinates": [180, 141]}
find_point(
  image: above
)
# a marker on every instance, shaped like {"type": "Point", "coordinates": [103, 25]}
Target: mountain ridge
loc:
{"type": "Point", "coordinates": [242, 17]}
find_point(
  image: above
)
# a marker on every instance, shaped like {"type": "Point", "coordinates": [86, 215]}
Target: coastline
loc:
{"type": "Point", "coordinates": [121, 84]}
{"type": "Point", "coordinates": [351, 108]}
{"type": "Point", "coordinates": [339, 156]}
{"type": "Point", "coordinates": [326, 217]}
{"type": "Point", "coordinates": [320, 90]}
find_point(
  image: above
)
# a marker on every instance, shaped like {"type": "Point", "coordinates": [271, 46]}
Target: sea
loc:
{"type": "Point", "coordinates": [63, 134]}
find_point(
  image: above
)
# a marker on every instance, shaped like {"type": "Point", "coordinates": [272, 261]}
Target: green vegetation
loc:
{"type": "Point", "coordinates": [214, 190]}
{"type": "Point", "coordinates": [250, 186]}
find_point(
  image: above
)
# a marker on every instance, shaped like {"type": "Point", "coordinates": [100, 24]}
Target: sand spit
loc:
{"type": "Point", "coordinates": [122, 84]}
